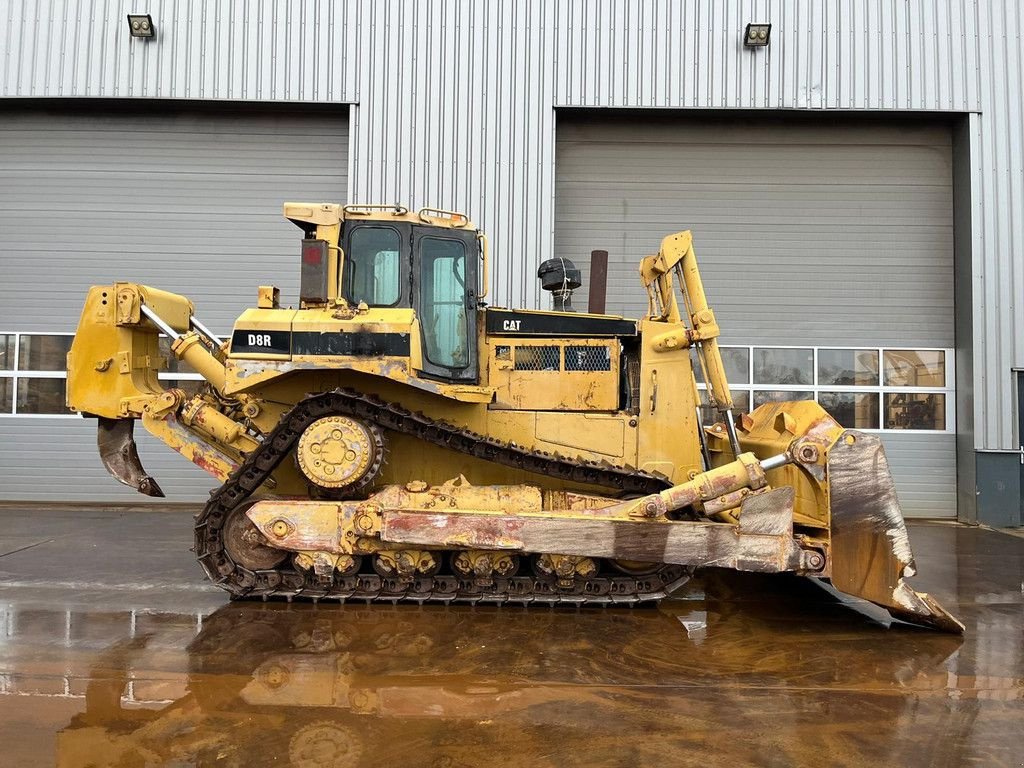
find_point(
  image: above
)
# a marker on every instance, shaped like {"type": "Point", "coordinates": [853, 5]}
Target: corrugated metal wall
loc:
{"type": "Point", "coordinates": [457, 98]}
{"type": "Point", "coordinates": [824, 54]}
{"type": "Point", "coordinates": [455, 111]}
{"type": "Point", "coordinates": [256, 50]}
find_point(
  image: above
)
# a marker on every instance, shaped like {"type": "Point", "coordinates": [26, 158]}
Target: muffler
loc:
{"type": "Point", "coordinates": [120, 455]}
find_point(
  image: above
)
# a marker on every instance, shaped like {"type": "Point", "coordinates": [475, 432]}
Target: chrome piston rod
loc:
{"type": "Point", "coordinates": [158, 321]}
{"type": "Point", "coordinates": [217, 341]}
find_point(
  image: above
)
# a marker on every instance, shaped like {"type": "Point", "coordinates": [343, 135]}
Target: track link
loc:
{"type": "Point", "coordinates": [285, 581]}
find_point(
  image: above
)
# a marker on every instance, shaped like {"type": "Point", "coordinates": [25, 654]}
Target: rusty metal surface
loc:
{"type": "Point", "coordinates": [871, 554]}
{"type": "Point", "coordinates": [120, 455]}
{"type": "Point", "coordinates": [137, 664]}
{"type": "Point", "coordinates": [692, 544]}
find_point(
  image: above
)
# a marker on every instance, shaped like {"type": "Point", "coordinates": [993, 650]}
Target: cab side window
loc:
{"type": "Point", "coordinates": [372, 267]}
{"type": "Point", "coordinates": [444, 316]}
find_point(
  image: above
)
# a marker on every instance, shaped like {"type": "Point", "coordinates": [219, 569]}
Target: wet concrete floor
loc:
{"type": "Point", "coordinates": [114, 652]}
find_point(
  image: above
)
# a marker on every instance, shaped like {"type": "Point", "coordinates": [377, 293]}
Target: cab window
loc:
{"type": "Point", "coordinates": [443, 302]}
{"type": "Point", "coordinates": [372, 267]}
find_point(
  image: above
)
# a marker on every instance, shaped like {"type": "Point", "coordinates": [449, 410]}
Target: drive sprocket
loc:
{"type": "Point", "coordinates": [340, 453]}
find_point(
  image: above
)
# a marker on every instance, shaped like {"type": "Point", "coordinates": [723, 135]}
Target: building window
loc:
{"type": "Point", "coordinates": [869, 388]}
{"type": "Point", "coordinates": [783, 366]}
{"type": "Point", "coordinates": [33, 376]}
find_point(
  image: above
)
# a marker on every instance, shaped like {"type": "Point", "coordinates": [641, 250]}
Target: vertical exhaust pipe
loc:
{"type": "Point", "coordinates": [598, 282]}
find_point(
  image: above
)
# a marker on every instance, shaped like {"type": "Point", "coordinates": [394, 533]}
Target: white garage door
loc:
{"type": "Point", "coordinates": [826, 249]}
{"type": "Point", "coordinates": [185, 200]}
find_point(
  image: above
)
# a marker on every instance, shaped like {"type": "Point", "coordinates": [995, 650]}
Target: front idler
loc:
{"type": "Point", "coordinates": [120, 455]}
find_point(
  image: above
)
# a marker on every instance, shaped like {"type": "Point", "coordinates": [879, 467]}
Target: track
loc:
{"type": "Point", "coordinates": [284, 581]}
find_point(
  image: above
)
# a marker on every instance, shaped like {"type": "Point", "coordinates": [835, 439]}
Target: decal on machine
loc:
{"type": "Point", "coordinates": [245, 341]}
{"type": "Point", "coordinates": [505, 322]}
{"type": "Point", "coordinates": [351, 343]}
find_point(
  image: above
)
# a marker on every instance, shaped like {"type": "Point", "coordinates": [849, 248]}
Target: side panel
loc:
{"type": "Point", "coordinates": [668, 412]}
{"type": "Point", "coordinates": [554, 375]}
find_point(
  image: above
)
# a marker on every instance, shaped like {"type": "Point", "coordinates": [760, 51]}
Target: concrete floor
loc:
{"type": "Point", "coordinates": [114, 652]}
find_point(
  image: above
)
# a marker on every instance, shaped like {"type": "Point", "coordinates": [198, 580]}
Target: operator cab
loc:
{"type": "Point", "coordinates": [394, 259]}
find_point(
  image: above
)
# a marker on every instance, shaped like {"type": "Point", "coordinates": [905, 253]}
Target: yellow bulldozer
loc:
{"type": "Point", "coordinates": [393, 438]}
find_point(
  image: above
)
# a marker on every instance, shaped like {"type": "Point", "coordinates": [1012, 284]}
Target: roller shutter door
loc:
{"type": "Point", "coordinates": [811, 234]}
{"type": "Point", "coordinates": [182, 199]}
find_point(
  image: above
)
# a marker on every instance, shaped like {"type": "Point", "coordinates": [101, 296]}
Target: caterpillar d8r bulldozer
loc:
{"type": "Point", "coordinates": [394, 438]}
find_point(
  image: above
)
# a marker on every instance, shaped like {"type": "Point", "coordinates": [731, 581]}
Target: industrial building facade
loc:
{"type": "Point", "coordinates": [854, 187]}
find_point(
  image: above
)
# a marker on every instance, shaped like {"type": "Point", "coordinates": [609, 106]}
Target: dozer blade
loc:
{"type": "Point", "coordinates": [121, 456]}
{"type": "Point", "coordinates": [870, 548]}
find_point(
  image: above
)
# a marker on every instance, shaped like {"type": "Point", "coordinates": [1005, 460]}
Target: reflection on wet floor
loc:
{"type": "Point", "coordinates": [738, 671]}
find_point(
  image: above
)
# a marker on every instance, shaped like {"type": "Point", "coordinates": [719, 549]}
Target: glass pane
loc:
{"type": "Point", "coordinates": [41, 396]}
{"type": "Point", "coordinates": [737, 364]}
{"type": "Point", "coordinates": [848, 367]}
{"type": "Point", "coordinates": [851, 409]}
{"type": "Point", "coordinates": [783, 366]}
{"type": "Point", "coordinates": [174, 365]}
{"type": "Point", "coordinates": [371, 266]}
{"type": "Point", "coordinates": [43, 353]}
{"type": "Point", "coordinates": [904, 410]}
{"type": "Point", "coordinates": [443, 302]}
{"type": "Point", "coordinates": [779, 396]}
{"type": "Point", "coordinates": [6, 351]}
{"type": "Point", "coordinates": [736, 361]}
{"type": "Point", "coordinates": [709, 415]}
{"type": "Point", "coordinates": [914, 368]}
{"type": "Point", "coordinates": [6, 395]}
{"type": "Point", "coordinates": [538, 359]}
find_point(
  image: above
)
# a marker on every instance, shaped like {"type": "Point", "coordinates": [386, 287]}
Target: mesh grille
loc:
{"type": "Point", "coordinates": [588, 359]}
{"type": "Point", "coordinates": [538, 359]}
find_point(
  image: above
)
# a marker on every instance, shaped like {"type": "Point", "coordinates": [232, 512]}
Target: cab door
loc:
{"type": "Point", "coordinates": [444, 283]}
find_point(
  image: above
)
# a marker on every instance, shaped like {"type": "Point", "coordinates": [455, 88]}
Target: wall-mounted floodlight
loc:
{"type": "Point", "coordinates": [141, 25]}
{"type": "Point", "coordinates": [757, 35]}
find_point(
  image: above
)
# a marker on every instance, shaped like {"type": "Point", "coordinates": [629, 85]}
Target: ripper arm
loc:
{"type": "Point", "coordinates": [113, 374]}
{"type": "Point", "coordinates": [700, 330]}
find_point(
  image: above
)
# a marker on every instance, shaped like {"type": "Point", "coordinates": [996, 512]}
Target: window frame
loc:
{"type": "Point", "coordinates": [471, 245]}
{"type": "Point", "coordinates": [881, 389]}
{"type": "Point", "coordinates": [17, 373]}
{"type": "Point", "coordinates": [403, 259]}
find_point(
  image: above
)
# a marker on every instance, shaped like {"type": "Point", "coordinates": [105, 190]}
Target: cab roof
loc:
{"type": "Point", "coordinates": [328, 214]}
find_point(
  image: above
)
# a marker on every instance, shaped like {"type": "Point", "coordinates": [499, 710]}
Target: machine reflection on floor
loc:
{"type": "Point", "coordinates": [739, 670]}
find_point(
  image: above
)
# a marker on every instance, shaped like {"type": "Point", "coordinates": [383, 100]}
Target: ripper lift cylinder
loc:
{"type": "Point", "coordinates": [190, 348]}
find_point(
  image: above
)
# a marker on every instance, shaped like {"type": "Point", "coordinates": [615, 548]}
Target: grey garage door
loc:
{"type": "Point", "coordinates": [185, 200]}
{"type": "Point", "coordinates": [826, 249]}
